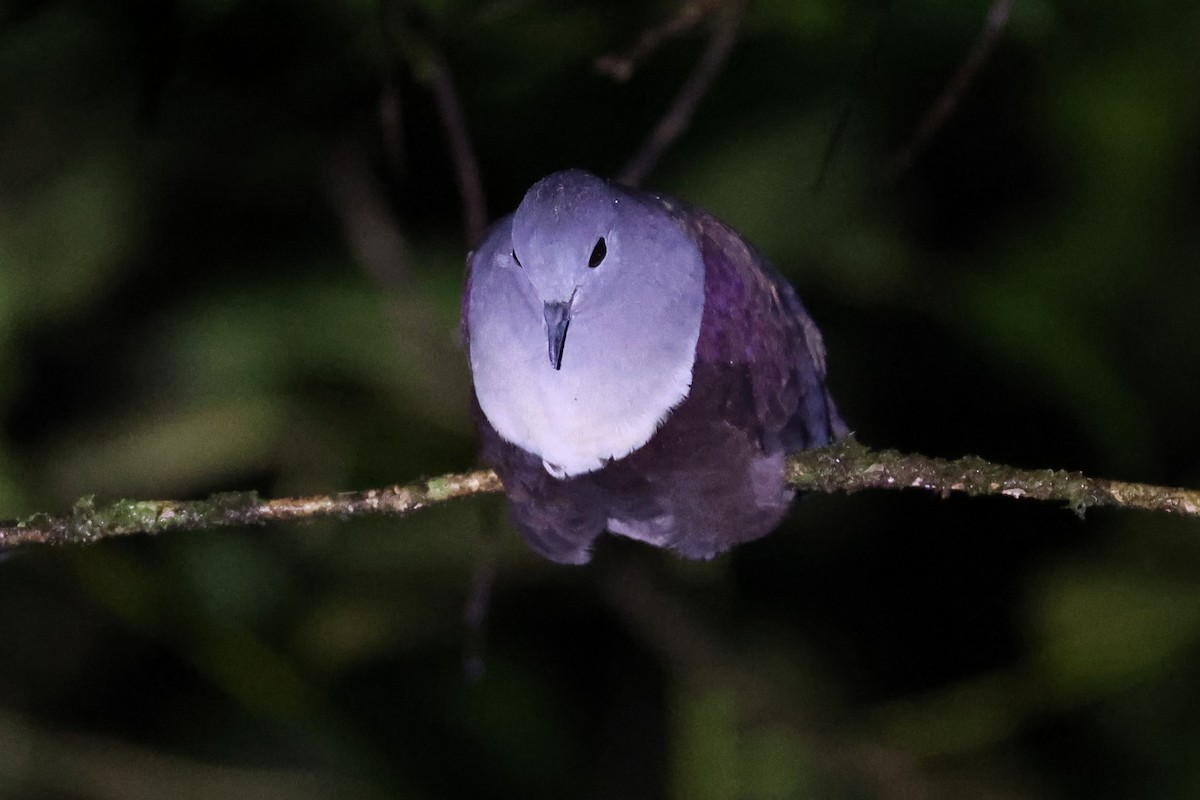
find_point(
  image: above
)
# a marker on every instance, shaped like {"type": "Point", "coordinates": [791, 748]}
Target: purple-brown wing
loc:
{"type": "Point", "coordinates": [754, 321]}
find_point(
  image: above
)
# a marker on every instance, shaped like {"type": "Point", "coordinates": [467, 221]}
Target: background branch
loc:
{"type": "Point", "coordinates": [620, 67]}
{"type": "Point", "coordinates": [466, 166]}
{"type": "Point", "coordinates": [675, 121]}
{"type": "Point", "coordinates": [847, 466]}
{"type": "Point", "coordinates": [942, 108]}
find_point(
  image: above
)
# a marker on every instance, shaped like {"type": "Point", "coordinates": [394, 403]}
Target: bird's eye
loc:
{"type": "Point", "coordinates": [598, 253]}
{"type": "Point", "coordinates": [514, 255]}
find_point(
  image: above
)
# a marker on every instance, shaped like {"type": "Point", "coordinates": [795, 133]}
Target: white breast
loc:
{"type": "Point", "coordinates": [627, 362]}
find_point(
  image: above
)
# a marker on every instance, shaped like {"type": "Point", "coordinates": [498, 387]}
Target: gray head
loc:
{"type": "Point", "coordinates": [583, 316]}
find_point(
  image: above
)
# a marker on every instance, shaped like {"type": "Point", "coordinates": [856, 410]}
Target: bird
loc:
{"type": "Point", "coordinates": [638, 368]}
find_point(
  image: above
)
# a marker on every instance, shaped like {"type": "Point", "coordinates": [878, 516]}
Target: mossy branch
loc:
{"type": "Point", "coordinates": [844, 467]}
{"type": "Point", "coordinates": [89, 522]}
{"type": "Point", "coordinates": [849, 466]}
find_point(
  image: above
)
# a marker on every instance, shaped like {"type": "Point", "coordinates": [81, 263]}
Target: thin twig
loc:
{"type": "Point", "coordinates": [679, 114]}
{"type": "Point", "coordinates": [462, 152]}
{"type": "Point", "coordinates": [843, 467]}
{"type": "Point", "coordinates": [390, 108]}
{"type": "Point", "coordinates": [429, 66]}
{"type": "Point", "coordinates": [867, 69]}
{"type": "Point", "coordinates": [944, 106]}
{"type": "Point", "coordinates": [360, 202]}
{"type": "Point", "coordinates": [479, 600]}
{"type": "Point", "coordinates": [621, 67]}
{"type": "Point", "coordinates": [391, 124]}
{"type": "Point", "coordinates": [831, 146]}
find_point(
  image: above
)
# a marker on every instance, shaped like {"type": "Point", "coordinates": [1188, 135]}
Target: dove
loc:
{"type": "Point", "coordinates": [640, 369]}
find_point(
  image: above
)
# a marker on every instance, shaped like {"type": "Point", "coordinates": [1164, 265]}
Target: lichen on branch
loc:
{"type": "Point", "coordinates": [846, 466]}
{"type": "Point", "coordinates": [850, 466]}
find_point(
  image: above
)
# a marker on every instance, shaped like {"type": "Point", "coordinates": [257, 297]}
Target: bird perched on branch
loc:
{"type": "Point", "coordinates": [640, 368]}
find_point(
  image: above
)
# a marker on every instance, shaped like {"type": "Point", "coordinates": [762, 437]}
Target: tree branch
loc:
{"type": "Point", "coordinates": [850, 467]}
{"type": "Point", "coordinates": [621, 67]}
{"type": "Point", "coordinates": [679, 115]}
{"type": "Point", "coordinates": [947, 101]}
{"type": "Point", "coordinates": [843, 467]}
{"type": "Point", "coordinates": [466, 167]}
{"type": "Point", "coordinates": [88, 522]}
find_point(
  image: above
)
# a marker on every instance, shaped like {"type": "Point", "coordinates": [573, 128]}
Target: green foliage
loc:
{"type": "Point", "coordinates": [186, 307]}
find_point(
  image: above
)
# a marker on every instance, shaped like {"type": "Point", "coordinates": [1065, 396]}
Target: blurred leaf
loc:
{"type": "Point", "coordinates": [270, 336]}
{"type": "Point", "coordinates": [71, 240]}
{"type": "Point", "coordinates": [1035, 337]}
{"type": "Point", "coordinates": [779, 764]}
{"type": "Point", "coordinates": [233, 577]}
{"type": "Point", "coordinates": [961, 718]}
{"type": "Point", "coordinates": [521, 731]}
{"type": "Point", "coordinates": [171, 451]}
{"type": "Point", "coordinates": [1101, 628]}
{"type": "Point", "coordinates": [705, 752]}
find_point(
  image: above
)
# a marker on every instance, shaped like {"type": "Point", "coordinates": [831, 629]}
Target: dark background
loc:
{"type": "Point", "coordinates": [231, 249]}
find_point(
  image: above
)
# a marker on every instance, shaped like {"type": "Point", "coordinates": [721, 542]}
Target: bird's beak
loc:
{"type": "Point", "coordinates": [558, 317]}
